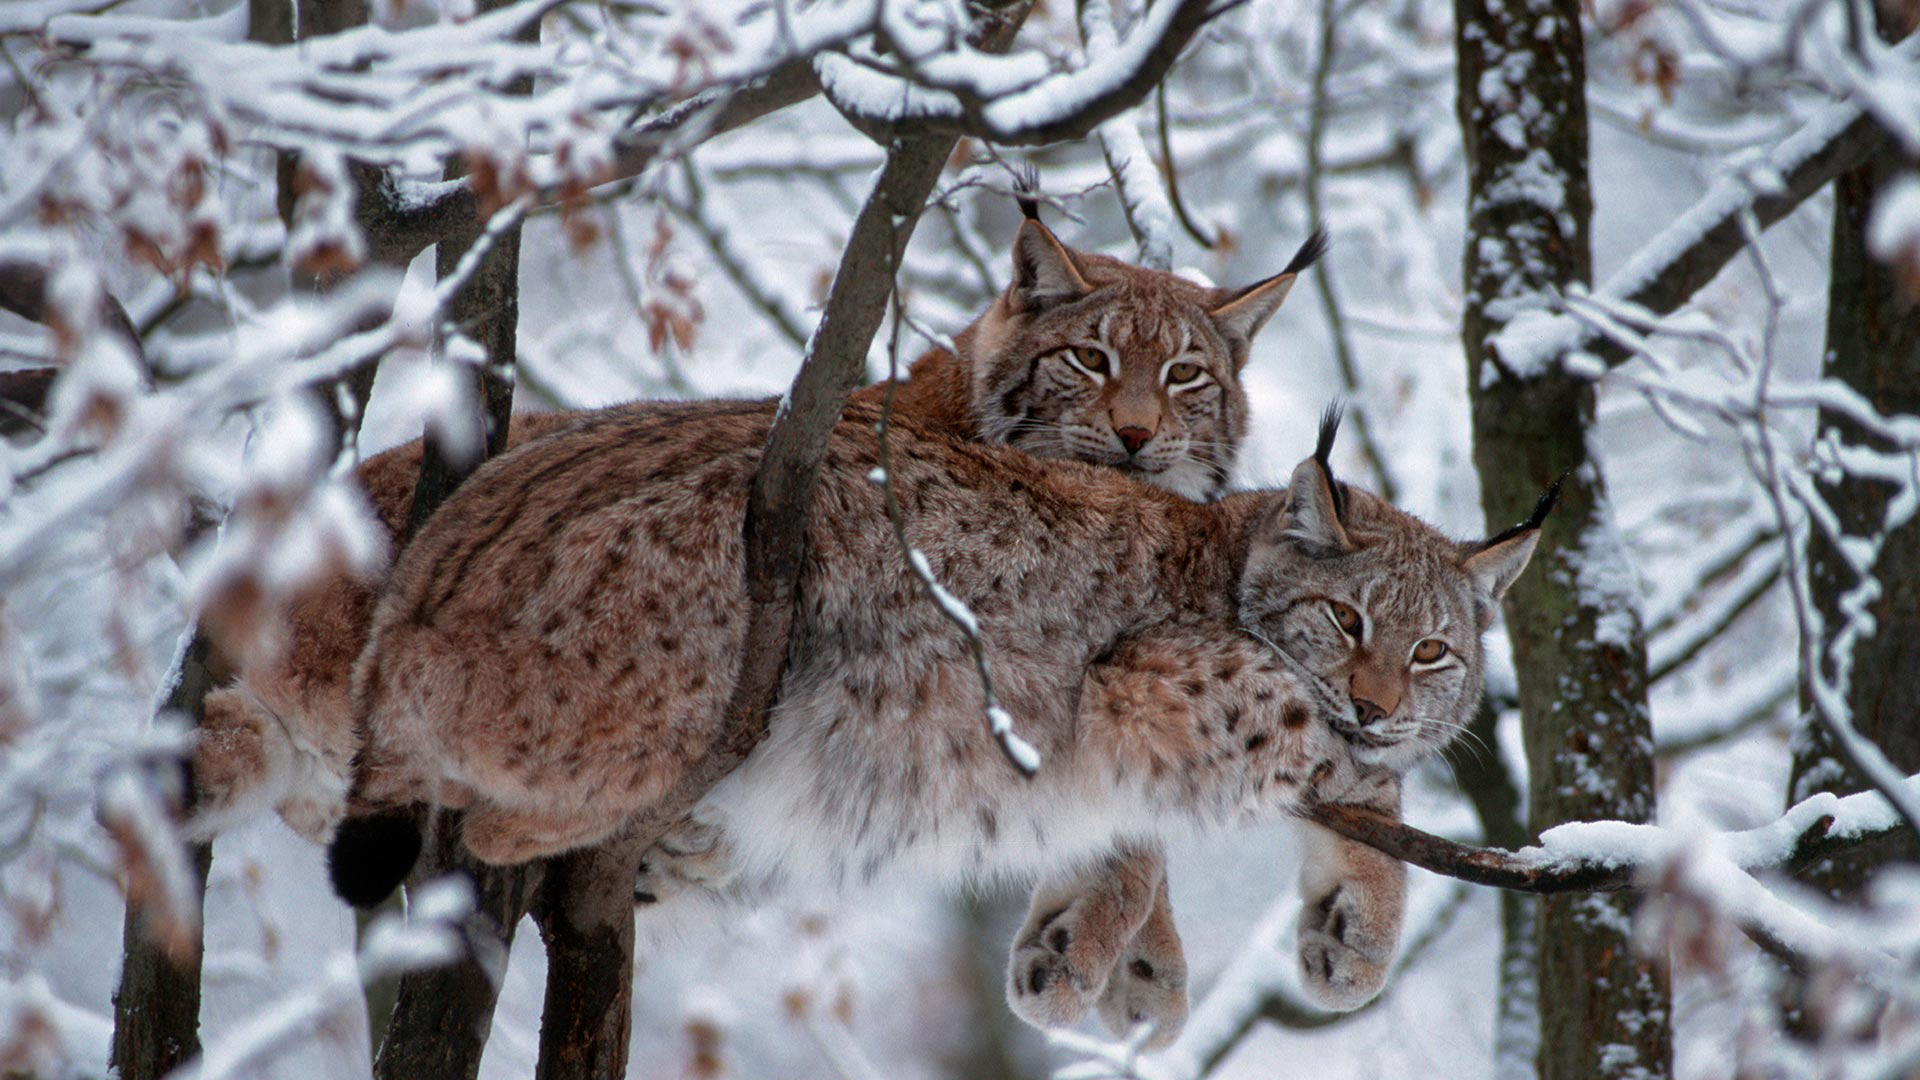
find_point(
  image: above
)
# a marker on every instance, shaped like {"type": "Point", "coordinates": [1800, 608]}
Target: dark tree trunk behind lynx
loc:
{"type": "Point", "coordinates": [156, 1007]}
{"type": "Point", "coordinates": [435, 1022]}
{"type": "Point", "coordinates": [1873, 346]}
{"type": "Point", "coordinates": [1578, 645]}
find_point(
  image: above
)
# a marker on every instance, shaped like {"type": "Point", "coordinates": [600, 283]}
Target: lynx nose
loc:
{"type": "Point", "coordinates": [1367, 712]}
{"type": "Point", "coordinates": [1133, 437]}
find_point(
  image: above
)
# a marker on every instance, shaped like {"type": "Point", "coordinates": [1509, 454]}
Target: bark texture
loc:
{"type": "Point", "coordinates": [1578, 644]}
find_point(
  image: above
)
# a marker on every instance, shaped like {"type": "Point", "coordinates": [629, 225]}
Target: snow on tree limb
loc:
{"type": "Point", "coordinates": [1064, 106]}
{"type": "Point", "coordinates": [1688, 253]}
{"type": "Point", "coordinates": [1614, 856]}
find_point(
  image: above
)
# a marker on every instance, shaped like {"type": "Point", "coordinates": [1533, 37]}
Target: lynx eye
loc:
{"type": "Point", "coordinates": [1429, 651]}
{"type": "Point", "coordinates": [1093, 360]}
{"type": "Point", "coordinates": [1181, 373]}
{"type": "Point", "coordinates": [1347, 619]}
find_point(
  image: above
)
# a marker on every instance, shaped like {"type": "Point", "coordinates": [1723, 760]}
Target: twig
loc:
{"type": "Point", "coordinates": [1323, 277]}
{"type": "Point", "coordinates": [1019, 752]}
{"type": "Point", "coordinates": [1173, 173]}
{"type": "Point", "coordinates": [752, 285]}
{"type": "Point", "coordinates": [1829, 709]}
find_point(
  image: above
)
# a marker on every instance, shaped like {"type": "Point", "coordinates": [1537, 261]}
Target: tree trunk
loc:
{"type": "Point", "coordinates": [1873, 346]}
{"type": "Point", "coordinates": [1578, 645]}
{"type": "Point", "coordinates": [438, 1019]}
{"type": "Point", "coordinates": [585, 915]}
{"type": "Point", "coordinates": [441, 1016]}
{"type": "Point", "coordinates": [156, 1009]}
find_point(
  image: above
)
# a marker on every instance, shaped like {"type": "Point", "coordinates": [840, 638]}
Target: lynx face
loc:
{"type": "Point", "coordinates": [1382, 606]}
{"type": "Point", "coordinates": [1091, 359]}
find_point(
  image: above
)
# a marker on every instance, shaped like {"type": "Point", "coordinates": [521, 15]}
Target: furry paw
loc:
{"type": "Point", "coordinates": [1148, 985]}
{"type": "Point", "coordinates": [1343, 961]}
{"type": "Point", "coordinates": [1054, 977]}
{"type": "Point", "coordinates": [692, 856]}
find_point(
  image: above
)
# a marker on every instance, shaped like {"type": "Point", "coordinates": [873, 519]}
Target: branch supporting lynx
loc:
{"type": "Point", "coordinates": [1535, 870]}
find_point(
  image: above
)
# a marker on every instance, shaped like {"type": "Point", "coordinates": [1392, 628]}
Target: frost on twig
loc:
{"type": "Point", "coordinates": [1019, 751]}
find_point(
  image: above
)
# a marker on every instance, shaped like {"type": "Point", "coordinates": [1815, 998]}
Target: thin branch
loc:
{"type": "Point", "coordinates": [1173, 173]}
{"type": "Point", "coordinates": [1323, 277]}
{"type": "Point", "coordinates": [1669, 652]}
{"type": "Point", "coordinates": [1614, 856]}
{"type": "Point", "coordinates": [1688, 253]}
{"type": "Point", "coordinates": [752, 284]}
{"type": "Point", "coordinates": [1020, 754]}
{"type": "Point", "coordinates": [1149, 214]}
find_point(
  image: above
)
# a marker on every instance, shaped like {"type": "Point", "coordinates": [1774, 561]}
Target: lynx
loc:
{"type": "Point", "coordinates": [1083, 356]}
{"type": "Point", "coordinates": [555, 647]}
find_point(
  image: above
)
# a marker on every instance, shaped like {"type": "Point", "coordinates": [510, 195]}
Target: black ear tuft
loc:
{"type": "Point", "coordinates": [1026, 185]}
{"type": "Point", "coordinates": [371, 856]}
{"type": "Point", "coordinates": [1309, 253]}
{"type": "Point", "coordinates": [1323, 455]}
{"type": "Point", "coordinates": [1541, 508]}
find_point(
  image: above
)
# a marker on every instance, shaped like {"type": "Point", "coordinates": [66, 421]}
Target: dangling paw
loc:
{"type": "Point", "coordinates": [1149, 983]}
{"type": "Point", "coordinates": [1059, 967]}
{"type": "Point", "coordinates": [1343, 953]}
{"type": "Point", "coordinates": [691, 856]}
{"type": "Point", "coordinates": [1076, 931]}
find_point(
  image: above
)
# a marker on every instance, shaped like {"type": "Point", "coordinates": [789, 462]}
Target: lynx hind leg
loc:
{"type": "Point", "coordinates": [1149, 983]}
{"type": "Point", "coordinates": [692, 857]}
{"type": "Point", "coordinates": [1078, 926]}
{"type": "Point", "coordinates": [1352, 901]}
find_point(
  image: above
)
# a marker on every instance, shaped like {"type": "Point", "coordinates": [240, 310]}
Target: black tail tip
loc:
{"type": "Point", "coordinates": [371, 856]}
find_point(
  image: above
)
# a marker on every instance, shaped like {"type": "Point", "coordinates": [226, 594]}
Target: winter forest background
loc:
{"type": "Point", "coordinates": [1671, 245]}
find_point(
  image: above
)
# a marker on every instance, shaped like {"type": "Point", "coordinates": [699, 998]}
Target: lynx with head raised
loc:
{"type": "Point", "coordinates": [1088, 358]}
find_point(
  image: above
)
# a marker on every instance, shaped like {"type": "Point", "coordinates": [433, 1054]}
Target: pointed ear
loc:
{"type": "Point", "coordinates": [1240, 315]}
{"type": "Point", "coordinates": [1248, 310]}
{"type": "Point", "coordinates": [1316, 508]}
{"type": "Point", "coordinates": [1495, 563]}
{"type": "Point", "coordinates": [1044, 272]}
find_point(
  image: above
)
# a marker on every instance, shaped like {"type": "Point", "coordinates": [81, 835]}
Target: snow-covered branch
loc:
{"type": "Point", "coordinates": [1613, 856]}
{"type": "Point", "coordinates": [1670, 268]}
{"type": "Point", "coordinates": [1058, 107]}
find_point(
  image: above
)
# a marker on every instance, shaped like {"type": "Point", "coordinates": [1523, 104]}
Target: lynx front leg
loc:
{"type": "Point", "coordinates": [1149, 983]}
{"type": "Point", "coordinates": [1076, 931]}
{"type": "Point", "coordinates": [1353, 899]}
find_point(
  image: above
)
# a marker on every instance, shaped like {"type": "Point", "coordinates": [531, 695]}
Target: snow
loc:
{"type": "Point", "coordinates": [1893, 234]}
{"type": "Point", "coordinates": [94, 592]}
{"type": "Point", "coordinates": [1526, 349]}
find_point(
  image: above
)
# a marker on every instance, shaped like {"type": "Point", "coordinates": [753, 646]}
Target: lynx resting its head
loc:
{"type": "Point", "coordinates": [1377, 607]}
{"type": "Point", "coordinates": [1089, 358]}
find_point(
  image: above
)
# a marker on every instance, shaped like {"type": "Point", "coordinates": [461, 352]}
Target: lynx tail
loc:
{"type": "Point", "coordinates": [371, 856]}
